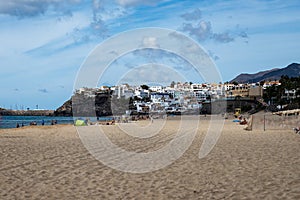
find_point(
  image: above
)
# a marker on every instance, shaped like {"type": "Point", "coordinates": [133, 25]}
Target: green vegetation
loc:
{"type": "Point", "coordinates": [286, 93]}
{"type": "Point", "coordinates": [145, 87]}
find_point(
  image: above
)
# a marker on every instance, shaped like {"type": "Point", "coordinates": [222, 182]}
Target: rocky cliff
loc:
{"type": "Point", "coordinates": [102, 104]}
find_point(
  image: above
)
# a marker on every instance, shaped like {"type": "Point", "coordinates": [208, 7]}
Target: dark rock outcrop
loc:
{"type": "Point", "coordinates": [65, 109]}
{"type": "Point", "coordinates": [101, 104]}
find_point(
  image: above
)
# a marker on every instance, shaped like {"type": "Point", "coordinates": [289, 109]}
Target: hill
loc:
{"type": "Point", "coordinates": [292, 70]}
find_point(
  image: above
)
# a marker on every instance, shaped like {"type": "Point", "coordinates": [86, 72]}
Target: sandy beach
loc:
{"type": "Point", "coordinates": [51, 162]}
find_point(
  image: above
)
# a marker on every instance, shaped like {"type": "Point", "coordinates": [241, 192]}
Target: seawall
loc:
{"type": "Point", "coordinates": [27, 112]}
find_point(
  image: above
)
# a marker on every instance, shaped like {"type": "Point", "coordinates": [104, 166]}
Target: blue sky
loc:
{"type": "Point", "coordinates": [44, 42]}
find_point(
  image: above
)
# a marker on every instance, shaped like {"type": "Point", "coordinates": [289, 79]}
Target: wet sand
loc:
{"type": "Point", "coordinates": [52, 163]}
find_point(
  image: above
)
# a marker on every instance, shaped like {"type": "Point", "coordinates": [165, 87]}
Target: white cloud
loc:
{"type": "Point", "coordinates": [202, 31]}
{"type": "Point", "coordinates": [223, 37]}
{"type": "Point", "coordinates": [103, 12]}
{"type": "Point", "coordinates": [150, 42]}
{"type": "Point", "coordinates": [30, 8]}
{"type": "Point", "coordinates": [191, 16]}
{"type": "Point", "coordinates": [137, 2]}
{"type": "Point", "coordinates": [152, 73]}
{"type": "Point", "coordinates": [40, 33]}
{"type": "Point", "coordinates": [212, 55]}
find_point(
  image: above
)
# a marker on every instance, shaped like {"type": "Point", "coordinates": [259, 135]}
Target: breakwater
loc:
{"type": "Point", "coordinates": [5, 112]}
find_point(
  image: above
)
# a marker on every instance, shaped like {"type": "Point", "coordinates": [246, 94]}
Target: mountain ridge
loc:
{"type": "Point", "coordinates": [292, 70]}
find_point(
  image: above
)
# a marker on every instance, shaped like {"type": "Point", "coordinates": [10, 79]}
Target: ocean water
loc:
{"type": "Point", "coordinates": [12, 121]}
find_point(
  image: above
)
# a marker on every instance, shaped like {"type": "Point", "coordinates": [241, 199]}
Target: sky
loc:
{"type": "Point", "coordinates": [44, 43]}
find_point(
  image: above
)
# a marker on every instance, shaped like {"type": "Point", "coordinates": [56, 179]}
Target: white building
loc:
{"type": "Point", "coordinates": [123, 91]}
{"type": "Point", "coordinates": [159, 97]}
{"type": "Point", "coordinates": [141, 93]}
{"type": "Point", "coordinates": [228, 86]}
{"type": "Point", "coordinates": [157, 88]}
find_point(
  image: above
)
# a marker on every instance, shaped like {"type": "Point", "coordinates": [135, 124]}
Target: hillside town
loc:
{"type": "Point", "coordinates": [179, 97]}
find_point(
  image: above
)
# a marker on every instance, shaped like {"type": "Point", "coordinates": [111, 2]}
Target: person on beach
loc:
{"type": "Point", "coordinates": [151, 118]}
{"type": "Point", "coordinates": [18, 125]}
{"type": "Point", "coordinates": [43, 122]}
{"type": "Point", "coordinates": [33, 123]}
{"type": "Point", "coordinates": [243, 122]}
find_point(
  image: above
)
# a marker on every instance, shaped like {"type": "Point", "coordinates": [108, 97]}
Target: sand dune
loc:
{"type": "Point", "coordinates": [52, 163]}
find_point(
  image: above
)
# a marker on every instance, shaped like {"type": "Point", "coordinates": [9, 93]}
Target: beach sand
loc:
{"type": "Point", "coordinates": [51, 162]}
